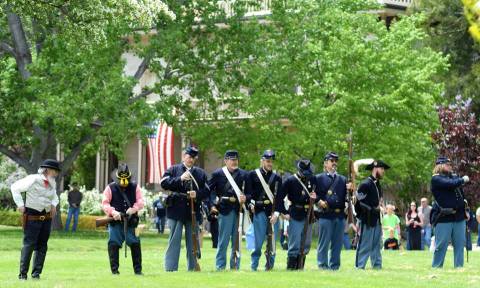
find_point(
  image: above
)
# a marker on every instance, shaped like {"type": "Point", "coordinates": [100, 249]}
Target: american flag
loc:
{"type": "Point", "coordinates": [159, 151]}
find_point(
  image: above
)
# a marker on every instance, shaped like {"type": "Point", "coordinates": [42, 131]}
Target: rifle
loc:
{"type": "Point", "coordinates": [103, 221]}
{"type": "Point", "coordinates": [302, 256]}
{"type": "Point", "coordinates": [238, 234]}
{"type": "Point", "coordinates": [270, 251]}
{"type": "Point", "coordinates": [194, 230]}
{"type": "Point", "coordinates": [125, 218]}
{"type": "Point", "coordinates": [350, 178]}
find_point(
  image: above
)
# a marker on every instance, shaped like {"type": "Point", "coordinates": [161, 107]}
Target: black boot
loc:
{"type": "Point", "coordinates": [38, 260]}
{"type": "Point", "coordinates": [291, 263]}
{"type": "Point", "coordinates": [113, 256]}
{"type": "Point", "coordinates": [136, 258]}
{"type": "Point", "coordinates": [25, 257]}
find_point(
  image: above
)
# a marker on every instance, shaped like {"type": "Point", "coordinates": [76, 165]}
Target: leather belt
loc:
{"type": "Point", "coordinates": [302, 206]}
{"type": "Point", "coordinates": [39, 217]}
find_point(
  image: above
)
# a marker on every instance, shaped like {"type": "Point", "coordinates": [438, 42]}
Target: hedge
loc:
{"type": "Point", "coordinates": [13, 218]}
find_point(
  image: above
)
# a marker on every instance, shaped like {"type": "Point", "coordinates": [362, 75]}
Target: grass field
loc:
{"type": "Point", "coordinates": [80, 260]}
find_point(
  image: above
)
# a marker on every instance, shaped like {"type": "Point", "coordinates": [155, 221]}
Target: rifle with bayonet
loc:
{"type": "Point", "coordinates": [350, 179]}
{"type": "Point", "coordinates": [238, 233]}
{"type": "Point", "coordinates": [270, 250]}
{"type": "Point", "coordinates": [194, 230]}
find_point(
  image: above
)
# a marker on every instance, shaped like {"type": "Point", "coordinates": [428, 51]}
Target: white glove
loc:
{"type": "Point", "coordinates": [466, 179]}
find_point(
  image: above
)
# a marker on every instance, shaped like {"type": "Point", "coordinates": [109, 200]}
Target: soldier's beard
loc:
{"type": "Point", "coordinates": [52, 181]}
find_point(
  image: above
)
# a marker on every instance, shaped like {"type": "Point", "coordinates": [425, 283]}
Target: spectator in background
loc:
{"type": "Point", "coordinates": [74, 199]}
{"type": "Point", "coordinates": [391, 221]}
{"type": "Point", "coordinates": [477, 214]}
{"type": "Point", "coordinates": [160, 213]}
{"type": "Point", "coordinates": [425, 210]}
{"type": "Point", "coordinates": [391, 243]}
{"type": "Point", "coordinates": [414, 223]}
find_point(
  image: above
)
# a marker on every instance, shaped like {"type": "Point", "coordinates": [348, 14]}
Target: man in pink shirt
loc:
{"type": "Point", "coordinates": [122, 199]}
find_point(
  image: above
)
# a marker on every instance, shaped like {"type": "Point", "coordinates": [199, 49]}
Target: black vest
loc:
{"type": "Point", "coordinates": [118, 202]}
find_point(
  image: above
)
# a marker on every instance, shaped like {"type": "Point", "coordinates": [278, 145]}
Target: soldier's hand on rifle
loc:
{"type": "Point", "coordinates": [242, 199]}
{"type": "Point", "coordinates": [273, 218]}
{"type": "Point", "coordinates": [192, 194]}
{"type": "Point", "coordinates": [252, 207]}
{"type": "Point", "coordinates": [185, 176]}
{"type": "Point", "coordinates": [21, 209]}
{"type": "Point", "coordinates": [313, 195]}
{"type": "Point", "coordinates": [322, 204]}
{"type": "Point", "coordinates": [116, 215]}
{"type": "Point", "coordinates": [214, 210]}
{"type": "Point", "coordinates": [349, 186]}
{"type": "Point", "coordinates": [131, 211]}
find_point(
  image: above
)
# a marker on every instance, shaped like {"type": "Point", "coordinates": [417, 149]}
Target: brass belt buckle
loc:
{"type": "Point", "coordinates": [337, 210]}
{"type": "Point", "coordinates": [41, 218]}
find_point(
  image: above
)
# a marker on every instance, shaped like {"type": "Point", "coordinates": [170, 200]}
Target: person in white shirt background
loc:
{"type": "Point", "coordinates": [38, 209]}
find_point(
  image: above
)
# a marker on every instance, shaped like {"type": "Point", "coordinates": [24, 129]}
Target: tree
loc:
{"type": "Point", "coordinates": [447, 28]}
{"type": "Point", "coordinates": [297, 80]}
{"type": "Point", "coordinates": [62, 78]}
{"type": "Point", "coordinates": [457, 139]}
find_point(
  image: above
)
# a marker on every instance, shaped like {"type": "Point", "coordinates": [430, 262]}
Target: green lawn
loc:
{"type": "Point", "coordinates": [80, 260]}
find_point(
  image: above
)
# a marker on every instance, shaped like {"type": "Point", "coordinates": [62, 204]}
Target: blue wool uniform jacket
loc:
{"type": "Point", "coordinates": [369, 193]}
{"type": "Point", "coordinates": [336, 199]}
{"type": "Point", "coordinates": [299, 199]}
{"type": "Point", "coordinates": [254, 189]}
{"type": "Point", "coordinates": [220, 187]}
{"type": "Point", "coordinates": [448, 193]}
{"type": "Point", "coordinates": [180, 205]}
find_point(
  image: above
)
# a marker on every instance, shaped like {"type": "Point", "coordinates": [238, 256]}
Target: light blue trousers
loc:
{"type": "Point", "coordinates": [444, 233]}
{"type": "Point", "coordinates": [369, 245]}
{"type": "Point", "coordinates": [172, 254]}
{"type": "Point", "coordinates": [227, 228]}
{"type": "Point", "coordinates": [330, 241]}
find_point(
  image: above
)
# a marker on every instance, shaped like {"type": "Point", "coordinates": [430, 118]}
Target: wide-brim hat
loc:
{"type": "Point", "coordinates": [377, 163]}
{"type": "Point", "coordinates": [192, 151]}
{"type": "Point", "coordinates": [51, 163]}
{"type": "Point", "coordinates": [305, 167]}
{"type": "Point", "coordinates": [123, 171]}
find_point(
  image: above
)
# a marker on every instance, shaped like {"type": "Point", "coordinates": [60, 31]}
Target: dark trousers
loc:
{"type": "Point", "coordinates": [161, 220]}
{"type": "Point", "coordinates": [214, 232]}
{"type": "Point", "coordinates": [35, 238]}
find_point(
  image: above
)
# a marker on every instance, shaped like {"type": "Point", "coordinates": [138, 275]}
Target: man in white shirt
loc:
{"type": "Point", "coordinates": [38, 209]}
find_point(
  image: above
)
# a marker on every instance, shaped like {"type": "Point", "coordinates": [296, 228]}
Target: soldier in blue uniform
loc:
{"type": "Point", "coordinates": [185, 181]}
{"type": "Point", "coordinates": [332, 192]}
{"type": "Point", "coordinates": [227, 205]}
{"type": "Point", "coordinates": [299, 188]}
{"type": "Point", "coordinates": [448, 213]}
{"type": "Point", "coordinates": [260, 202]}
{"type": "Point", "coordinates": [369, 197]}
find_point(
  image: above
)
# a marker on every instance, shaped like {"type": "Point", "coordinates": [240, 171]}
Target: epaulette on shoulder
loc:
{"type": "Point", "coordinates": [435, 174]}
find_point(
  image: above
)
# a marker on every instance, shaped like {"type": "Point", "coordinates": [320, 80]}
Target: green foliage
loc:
{"type": "Point", "coordinates": [447, 28]}
{"type": "Point", "coordinates": [76, 92]}
{"type": "Point", "coordinates": [9, 173]}
{"type": "Point", "coordinates": [299, 80]}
